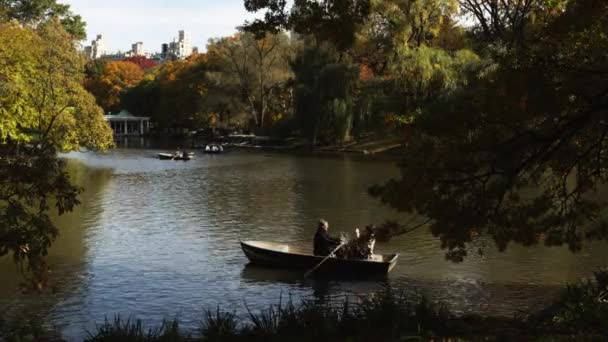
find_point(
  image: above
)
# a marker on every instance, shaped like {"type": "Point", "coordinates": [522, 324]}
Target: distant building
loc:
{"type": "Point", "coordinates": [116, 56]}
{"type": "Point", "coordinates": [195, 50]}
{"type": "Point", "coordinates": [137, 49]}
{"type": "Point", "coordinates": [185, 45]}
{"type": "Point", "coordinates": [125, 123]}
{"type": "Point", "coordinates": [98, 47]}
{"type": "Point", "coordinates": [180, 47]}
{"type": "Point", "coordinates": [164, 51]}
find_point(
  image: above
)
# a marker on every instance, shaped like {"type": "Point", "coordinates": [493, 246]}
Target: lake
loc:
{"type": "Point", "coordinates": [159, 239]}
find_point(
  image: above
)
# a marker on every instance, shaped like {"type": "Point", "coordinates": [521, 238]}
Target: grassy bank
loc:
{"type": "Point", "coordinates": [580, 313]}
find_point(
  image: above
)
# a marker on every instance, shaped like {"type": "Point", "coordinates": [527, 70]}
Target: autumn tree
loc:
{"type": "Point", "coordinates": [259, 68]}
{"type": "Point", "coordinates": [43, 109]}
{"type": "Point", "coordinates": [115, 79]}
{"type": "Point", "coordinates": [143, 62]}
{"type": "Point", "coordinates": [172, 94]}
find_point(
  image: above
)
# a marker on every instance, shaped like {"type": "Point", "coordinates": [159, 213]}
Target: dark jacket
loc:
{"type": "Point", "coordinates": [324, 243]}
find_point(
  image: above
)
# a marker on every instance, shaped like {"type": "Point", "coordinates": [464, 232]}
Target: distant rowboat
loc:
{"type": "Point", "coordinates": [169, 156]}
{"type": "Point", "coordinates": [296, 256]}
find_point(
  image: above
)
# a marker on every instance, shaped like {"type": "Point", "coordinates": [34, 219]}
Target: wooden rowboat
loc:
{"type": "Point", "coordinates": [168, 156]}
{"type": "Point", "coordinates": [299, 256]}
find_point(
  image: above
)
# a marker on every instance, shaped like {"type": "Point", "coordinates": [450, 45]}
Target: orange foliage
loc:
{"type": "Point", "coordinates": [116, 78]}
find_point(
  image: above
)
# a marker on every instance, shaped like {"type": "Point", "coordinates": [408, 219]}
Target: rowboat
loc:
{"type": "Point", "coordinates": [169, 156]}
{"type": "Point", "coordinates": [299, 256]}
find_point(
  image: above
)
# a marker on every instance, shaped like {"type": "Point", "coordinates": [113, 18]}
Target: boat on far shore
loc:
{"type": "Point", "coordinates": [299, 256]}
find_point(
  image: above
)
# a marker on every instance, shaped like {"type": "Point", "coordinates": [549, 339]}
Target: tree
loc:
{"type": "Point", "coordinates": [507, 21]}
{"type": "Point", "coordinates": [519, 153]}
{"type": "Point", "coordinates": [143, 62]}
{"type": "Point", "coordinates": [259, 67]}
{"type": "Point", "coordinates": [36, 12]}
{"type": "Point", "coordinates": [173, 94]}
{"type": "Point", "coordinates": [323, 95]}
{"type": "Point", "coordinates": [43, 108]}
{"type": "Point", "coordinates": [415, 54]}
{"type": "Point", "coordinates": [334, 21]}
{"type": "Point", "coordinates": [115, 79]}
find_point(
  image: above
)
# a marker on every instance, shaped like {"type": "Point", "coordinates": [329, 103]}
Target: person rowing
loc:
{"type": "Point", "coordinates": [324, 243]}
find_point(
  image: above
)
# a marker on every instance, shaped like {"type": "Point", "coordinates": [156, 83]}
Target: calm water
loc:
{"type": "Point", "coordinates": [158, 239]}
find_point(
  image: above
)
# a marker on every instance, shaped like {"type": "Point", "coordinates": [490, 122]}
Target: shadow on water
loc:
{"type": "Point", "coordinates": [67, 257]}
{"type": "Point", "coordinates": [323, 286]}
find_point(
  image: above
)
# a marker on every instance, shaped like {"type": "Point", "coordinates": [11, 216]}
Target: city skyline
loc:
{"type": "Point", "coordinates": [125, 22]}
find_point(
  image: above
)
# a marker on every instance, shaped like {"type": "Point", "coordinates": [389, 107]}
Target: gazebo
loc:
{"type": "Point", "coordinates": [125, 123]}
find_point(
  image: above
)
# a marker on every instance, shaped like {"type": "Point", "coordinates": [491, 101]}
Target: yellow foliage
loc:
{"type": "Point", "coordinates": [116, 78]}
{"type": "Point", "coordinates": [41, 92]}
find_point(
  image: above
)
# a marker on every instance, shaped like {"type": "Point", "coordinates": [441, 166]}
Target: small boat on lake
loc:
{"type": "Point", "coordinates": [299, 256]}
{"type": "Point", "coordinates": [213, 148]}
{"type": "Point", "coordinates": [175, 156]}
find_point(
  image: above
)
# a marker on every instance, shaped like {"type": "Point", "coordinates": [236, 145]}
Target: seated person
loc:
{"type": "Point", "coordinates": [361, 247]}
{"type": "Point", "coordinates": [323, 242]}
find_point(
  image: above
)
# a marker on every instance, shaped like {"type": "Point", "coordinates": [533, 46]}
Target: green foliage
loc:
{"type": "Point", "coordinates": [36, 12]}
{"type": "Point", "coordinates": [43, 108]}
{"type": "Point", "coordinates": [510, 22]}
{"type": "Point", "coordinates": [172, 94]}
{"type": "Point", "coordinates": [519, 153]}
{"type": "Point", "coordinates": [324, 90]}
{"type": "Point", "coordinates": [42, 95]}
{"type": "Point", "coordinates": [333, 21]}
{"type": "Point", "coordinates": [257, 68]}
{"type": "Point", "coordinates": [581, 308]}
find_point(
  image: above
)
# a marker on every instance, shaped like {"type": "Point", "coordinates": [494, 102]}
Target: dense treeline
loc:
{"type": "Point", "coordinates": [505, 102]}
{"type": "Point", "coordinates": [380, 63]}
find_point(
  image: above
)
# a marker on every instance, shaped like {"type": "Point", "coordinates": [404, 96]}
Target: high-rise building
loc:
{"type": "Point", "coordinates": [180, 47]}
{"type": "Point", "coordinates": [185, 45]}
{"type": "Point", "coordinates": [98, 47]}
{"type": "Point", "coordinates": [137, 49]}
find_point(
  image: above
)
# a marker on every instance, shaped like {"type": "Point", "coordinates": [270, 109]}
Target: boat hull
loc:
{"type": "Point", "coordinates": [258, 254]}
{"type": "Point", "coordinates": [167, 156]}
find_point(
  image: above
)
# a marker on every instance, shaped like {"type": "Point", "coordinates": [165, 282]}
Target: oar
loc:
{"type": "Point", "coordinates": [309, 272]}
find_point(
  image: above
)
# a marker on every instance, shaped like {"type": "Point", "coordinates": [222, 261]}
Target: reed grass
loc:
{"type": "Point", "coordinates": [580, 313]}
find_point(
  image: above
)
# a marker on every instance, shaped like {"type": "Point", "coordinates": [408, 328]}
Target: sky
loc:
{"type": "Point", "coordinates": [154, 22]}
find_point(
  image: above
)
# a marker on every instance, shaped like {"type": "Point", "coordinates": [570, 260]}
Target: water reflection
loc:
{"type": "Point", "coordinates": [66, 258]}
